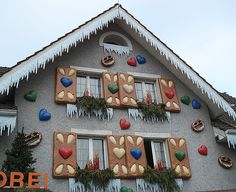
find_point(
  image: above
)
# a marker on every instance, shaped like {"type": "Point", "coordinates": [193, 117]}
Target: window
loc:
{"type": "Point", "coordinates": [87, 148]}
{"type": "Point", "coordinates": [142, 88]}
{"type": "Point", "coordinates": [155, 151]}
{"type": "Point", "coordinates": [92, 84]}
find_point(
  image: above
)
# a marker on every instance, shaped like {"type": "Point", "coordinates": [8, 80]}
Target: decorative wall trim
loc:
{"type": "Point", "coordinates": [153, 135]}
{"type": "Point", "coordinates": [88, 132]}
{"type": "Point", "coordinates": [88, 70]}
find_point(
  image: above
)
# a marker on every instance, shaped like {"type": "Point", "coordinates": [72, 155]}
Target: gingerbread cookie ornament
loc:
{"type": "Point", "coordinates": [116, 155]}
{"type": "Point", "coordinates": [225, 162]}
{"type": "Point", "coordinates": [127, 93]}
{"type": "Point", "coordinates": [108, 61]}
{"type": "Point", "coordinates": [179, 157]}
{"type": "Point", "coordinates": [66, 82]}
{"type": "Point", "coordinates": [135, 157]}
{"type": "Point", "coordinates": [111, 89]}
{"type": "Point", "coordinates": [64, 154]}
{"type": "Point", "coordinates": [168, 95]}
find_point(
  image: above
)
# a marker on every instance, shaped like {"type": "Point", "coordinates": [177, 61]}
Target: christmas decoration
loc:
{"type": "Point", "coordinates": [124, 124]}
{"type": "Point", "coordinates": [185, 99]}
{"type": "Point", "coordinates": [132, 62]}
{"type": "Point", "coordinates": [108, 61]}
{"type": "Point", "coordinates": [126, 189]}
{"type": "Point", "coordinates": [196, 104]}
{"type": "Point", "coordinates": [148, 98]}
{"type": "Point", "coordinates": [198, 126]}
{"type": "Point", "coordinates": [141, 59]}
{"type": "Point", "coordinates": [19, 158]}
{"type": "Point", "coordinates": [225, 161]}
{"type": "Point", "coordinates": [31, 96]}
{"type": "Point", "coordinates": [44, 115]}
{"type": "Point", "coordinates": [202, 150]}
{"type": "Point", "coordinates": [33, 139]}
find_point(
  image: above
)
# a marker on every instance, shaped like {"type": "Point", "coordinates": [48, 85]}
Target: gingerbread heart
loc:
{"type": "Point", "coordinates": [119, 152]}
{"type": "Point", "coordinates": [65, 152]}
{"type": "Point", "coordinates": [132, 62]}
{"type": "Point", "coordinates": [128, 88]}
{"type": "Point", "coordinates": [136, 153]}
{"type": "Point", "coordinates": [170, 94]}
{"type": "Point", "coordinates": [66, 82]}
{"type": "Point", "coordinates": [124, 124]}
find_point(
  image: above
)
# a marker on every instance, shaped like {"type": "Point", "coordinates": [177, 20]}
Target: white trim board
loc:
{"type": "Point", "coordinates": [153, 135]}
{"type": "Point", "coordinates": [88, 132]}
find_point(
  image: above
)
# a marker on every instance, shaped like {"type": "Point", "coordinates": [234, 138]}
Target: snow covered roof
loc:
{"type": "Point", "coordinates": [171, 60]}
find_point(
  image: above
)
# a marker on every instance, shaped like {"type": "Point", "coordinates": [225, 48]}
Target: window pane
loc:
{"type": "Point", "coordinates": [150, 87]}
{"type": "Point", "coordinates": [81, 85]}
{"type": "Point", "coordinates": [139, 91]}
{"type": "Point", "coordinates": [95, 87]}
{"type": "Point", "coordinates": [159, 152]}
{"type": "Point", "coordinates": [98, 148]}
{"type": "Point", "coordinates": [82, 152]}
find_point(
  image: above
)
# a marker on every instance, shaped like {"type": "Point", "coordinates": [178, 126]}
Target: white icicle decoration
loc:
{"type": "Point", "coordinates": [39, 60]}
{"type": "Point", "coordinates": [75, 111]}
{"type": "Point", "coordinates": [143, 186]}
{"type": "Point", "coordinates": [113, 186]}
{"type": "Point", "coordinates": [7, 122]}
{"type": "Point", "coordinates": [136, 113]}
{"type": "Point", "coordinates": [231, 139]}
{"type": "Point", "coordinates": [118, 49]}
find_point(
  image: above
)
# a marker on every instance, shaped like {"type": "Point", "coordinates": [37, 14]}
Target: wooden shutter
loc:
{"type": "Point", "coordinates": [169, 95]}
{"type": "Point", "coordinates": [116, 155]}
{"type": "Point", "coordinates": [66, 82]}
{"type": "Point", "coordinates": [110, 89]}
{"type": "Point", "coordinates": [179, 157]}
{"type": "Point", "coordinates": [127, 92]}
{"type": "Point", "coordinates": [135, 156]}
{"type": "Point", "coordinates": [64, 154]}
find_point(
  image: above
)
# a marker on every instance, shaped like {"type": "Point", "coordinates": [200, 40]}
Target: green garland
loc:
{"type": "Point", "coordinates": [165, 179]}
{"type": "Point", "coordinates": [99, 178]}
{"type": "Point", "coordinates": [153, 111]}
{"type": "Point", "coordinates": [92, 103]}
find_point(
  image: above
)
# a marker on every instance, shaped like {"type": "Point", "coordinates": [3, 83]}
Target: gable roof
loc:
{"type": "Point", "coordinates": [4, 70]}
{"type": "Point", "coordinates": [160, 50]}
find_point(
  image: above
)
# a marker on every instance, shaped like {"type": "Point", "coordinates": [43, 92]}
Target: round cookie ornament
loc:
{"type": "Point", "coordinates": [225, 162]}
{"type": "Point", "coordinates": [108, 61]}
{"type": "Point", "coordinates": [198, 125]}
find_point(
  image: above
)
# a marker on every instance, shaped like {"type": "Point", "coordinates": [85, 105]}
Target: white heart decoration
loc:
{"type": "Point", "coordinates": [119, 152]}
{"type": "Point", "coordinates": [128, 88]}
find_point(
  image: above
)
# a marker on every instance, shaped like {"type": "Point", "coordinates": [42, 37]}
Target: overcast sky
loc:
{"type": "Point", "coordinates": [202, 32]}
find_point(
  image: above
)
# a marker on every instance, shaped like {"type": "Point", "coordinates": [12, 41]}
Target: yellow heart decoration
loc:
{"type": "Point", "coordinates": [119, 152]}
{"type": "Point", "coordinates": [128, 88]}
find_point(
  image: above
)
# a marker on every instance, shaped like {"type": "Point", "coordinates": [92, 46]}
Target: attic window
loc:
{"type": "Point", "coordinates": [115, 42]}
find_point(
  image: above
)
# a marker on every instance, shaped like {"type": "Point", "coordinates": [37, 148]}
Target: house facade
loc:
{"type": "Point", "coordinates": [114, 57]}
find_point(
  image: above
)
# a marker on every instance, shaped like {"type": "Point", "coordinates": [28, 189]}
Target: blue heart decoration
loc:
{"type": "Point", "coordinates": [136, 153]}
{"type": "Point", "coordinates": [196, 104]}
{"type": "Point", "coordinates": [141, 59]}
{"type": "Point", "coordinates": [66, 82]}
{"type": "Point", "coordinates": [44, 115]}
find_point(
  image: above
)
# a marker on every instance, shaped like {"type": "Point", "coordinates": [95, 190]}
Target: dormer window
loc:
{"type": "Point", "coordinates": [115, 42]}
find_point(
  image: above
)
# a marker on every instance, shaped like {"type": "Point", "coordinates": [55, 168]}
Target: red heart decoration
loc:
{"type": "Point", "coordinates": [132, 62]}
{"type": "Point", "coordinates": [124, 124]}
{"type": "Point", "coordinates": [65, 152]}
{"type": "Point", "coordinates": [202, 150]}
{"type": "Point", "coordinates": [170, 94]}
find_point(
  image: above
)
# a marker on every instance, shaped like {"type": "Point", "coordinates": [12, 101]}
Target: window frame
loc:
{"type": "Point", "coordinates": [90, 147]}
{"type": "Point", "coordinates": [88, 76]}
{"type": "Point", "coordinates": [143, 86]}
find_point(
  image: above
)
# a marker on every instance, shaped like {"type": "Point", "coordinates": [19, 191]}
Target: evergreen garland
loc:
{"type": "Point", "coordinates": [165, 179]}
{"type": "Point", "coordinates": [153, 111]}
{"type": "Point", "coordinates": [19, 158]}
{"type": "Point", "coordinates": [99, 178]}
{"type": "Point", "coordinates": [92, 103]}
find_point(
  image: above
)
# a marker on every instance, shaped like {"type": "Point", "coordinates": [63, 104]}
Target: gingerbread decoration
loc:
{"type": "Point", "coordinates": [64, 154]}
{"type": "Point", "coordinates": [198, 125]}
{"type": "Point", "coordinates": [135, 157]}
{"type": "Point", "coordinates": [225, 162]}
{"type": "Point", "coordinates": [127, 93]}
{"type": "Point", "coordinates": [168, 94]}
{"type": "Point", "coordinates": [110, 89]}
{"type": "Point", "coordinates": [179, 157]}
{"type": "Point", "coordinates": [117, 154]}
{"type": "Point", "coordinates": [66, 82]}
{"type": "Point", "coordinates": [33, 139]}
{"type": "Point", "coordinates": [108, 61]}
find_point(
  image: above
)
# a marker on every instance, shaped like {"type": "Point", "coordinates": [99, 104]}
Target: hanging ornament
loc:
{"type": "Point", "coordinates": [148, 98]}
